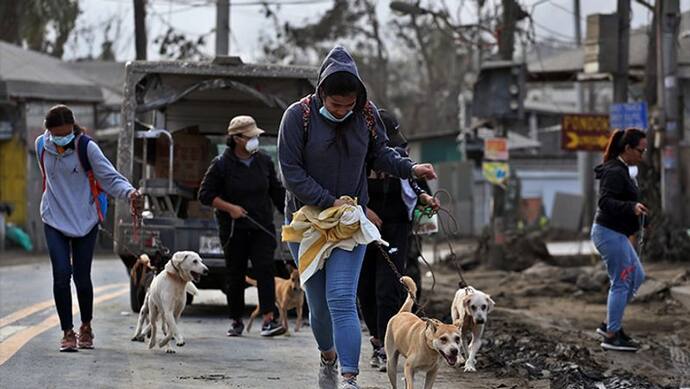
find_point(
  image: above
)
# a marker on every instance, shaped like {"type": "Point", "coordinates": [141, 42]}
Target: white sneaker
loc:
{"type": "Point", "coordinates": [328, 374]}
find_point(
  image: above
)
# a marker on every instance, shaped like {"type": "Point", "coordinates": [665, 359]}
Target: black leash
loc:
{"type": "Point", "coordinates": [266, 231]}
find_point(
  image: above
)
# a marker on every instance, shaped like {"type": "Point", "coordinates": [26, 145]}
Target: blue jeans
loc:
{"type": "Point", "coordinates": [624, 268]}
{"type": "Point", "coordinates": [332, 298]}
{"type": "Point", "coordinates": [71, 256]}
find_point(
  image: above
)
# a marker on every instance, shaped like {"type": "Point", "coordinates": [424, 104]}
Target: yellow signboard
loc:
{"type": "Point", "coordinates": [496, 172]}
{"type": "Point", "coordinates": [584, 132]}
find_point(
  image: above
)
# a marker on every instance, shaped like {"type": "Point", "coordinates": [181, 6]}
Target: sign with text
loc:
{"type": "Point", "coordinates": [496, 149]}
{"type": "Point", "coordinates": [628, 115]}
{"type": "Point", "coordinates": [584, 132]}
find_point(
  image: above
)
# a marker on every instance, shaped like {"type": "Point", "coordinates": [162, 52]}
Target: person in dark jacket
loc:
{"type": "Point", "coordinates": [617, 218]}
{"type": "Point", "coordinates": [241, 184]}
{"type": "Point", "coordinates": [324, 150]}
{"type": "Point", "coordinates": [391, 203]}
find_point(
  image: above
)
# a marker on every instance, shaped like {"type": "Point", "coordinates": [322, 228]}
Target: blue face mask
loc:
{"type": "Point", "coordinates": [62, 141]}
{"type": "Point", "coordinates": [325, 113]}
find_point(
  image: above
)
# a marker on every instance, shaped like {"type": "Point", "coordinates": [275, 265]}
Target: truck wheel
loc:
{"type": "Point", "coordinates": [190, 299]}
{"type": "Point", "coordinates": [137, 293]}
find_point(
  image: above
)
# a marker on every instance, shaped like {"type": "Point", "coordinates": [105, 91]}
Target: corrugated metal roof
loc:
{"type": "Point", "coordinates": [110, 76]}
{"type": "Point", "coordinates": [29, 74]}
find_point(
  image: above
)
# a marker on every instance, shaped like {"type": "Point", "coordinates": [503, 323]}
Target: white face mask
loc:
{"type": "Point", "coordinates": [252, 145]}
{"type": "Point", "coordinates": [633, 171]}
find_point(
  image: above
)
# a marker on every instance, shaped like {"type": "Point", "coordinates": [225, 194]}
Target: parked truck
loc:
{"type": "Point", "coordinates": [174, 119]}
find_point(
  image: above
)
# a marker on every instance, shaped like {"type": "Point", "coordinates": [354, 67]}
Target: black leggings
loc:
{"type": "Point", "coordinates": [71, 258]}
{"type": "Point", "coordinates": [245, 245]}
{"type": "Point", "coordinates": [380, 293]}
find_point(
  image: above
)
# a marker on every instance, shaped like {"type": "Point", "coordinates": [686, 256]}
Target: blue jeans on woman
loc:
{"type": "Point", "coordinates": [332, 298]}
{"type": "Point", "coordinates": [624, 268]}
{"type": "Point", "coordinates": [71, 258]}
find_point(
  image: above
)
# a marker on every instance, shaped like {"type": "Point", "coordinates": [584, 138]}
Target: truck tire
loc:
{"type": "Point", "coordinates": [190, 299]}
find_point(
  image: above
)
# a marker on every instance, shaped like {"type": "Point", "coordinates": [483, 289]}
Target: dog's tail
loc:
{"type": "Point", "coordinates": [411, 292]}
{"type": "Point", "coordinates": [250, 281]}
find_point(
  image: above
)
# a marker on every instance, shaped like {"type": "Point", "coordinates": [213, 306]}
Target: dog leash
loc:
{"type": "Point", "coordinates": [642, 242]}
{"type": "Point", "coordinates": [265, 230]}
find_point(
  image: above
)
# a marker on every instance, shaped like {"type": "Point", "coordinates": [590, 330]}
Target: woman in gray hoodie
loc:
{"type": "Point", "coordinates": [325, 143]}
{"type": "Point", "coordinates": [71, 214]}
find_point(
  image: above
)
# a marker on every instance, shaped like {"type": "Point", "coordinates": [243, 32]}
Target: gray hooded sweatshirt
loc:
{"type": "Point", "coordinates": [316, 167]}
{"type": "Point", "coordinates": [67, 204]}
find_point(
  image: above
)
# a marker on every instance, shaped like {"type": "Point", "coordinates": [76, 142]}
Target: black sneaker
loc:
{"type": "Point", "coordinates": [272, 328]}
{"type": "Point", "coordinates": [382, 359]}
{"type": "Point", "coordinates": [374, 360]}
{"type": "Point", "coordinates": [603, 331]}
{"type": "Point", "coordinates": [236, 328]}
{"type": "Point", "coordinates": [618, 343]}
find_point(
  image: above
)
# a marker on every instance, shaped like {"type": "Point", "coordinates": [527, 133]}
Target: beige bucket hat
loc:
{"type": "Point", "coordinates": [244, 125]}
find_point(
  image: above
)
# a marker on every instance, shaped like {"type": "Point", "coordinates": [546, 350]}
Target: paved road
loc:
{"type": "Point", "coordinates": [29, 335]}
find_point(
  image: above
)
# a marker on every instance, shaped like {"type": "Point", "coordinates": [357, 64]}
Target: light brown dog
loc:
{"type": "Point", "coordinates": [289, 295]}
{"type": "Point", "coordinates": [470, 310]}
{"type": "Point", "coordinates": [421, 341]}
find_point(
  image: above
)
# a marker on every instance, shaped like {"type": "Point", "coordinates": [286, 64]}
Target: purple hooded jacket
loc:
{"type": "Point", "coordinates": [316, 167]}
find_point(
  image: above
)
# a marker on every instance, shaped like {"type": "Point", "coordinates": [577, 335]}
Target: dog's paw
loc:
{"type": "Point", "coordinates": [169, 350]}
{"type": "Point", "coordinates": [151, 344]}
{"type": "Point", "coordinates": [469, 368]}
{"type": "Point", "coordinates": [138, 338]}
{"type": "Point", "coordinates": [180, 343]}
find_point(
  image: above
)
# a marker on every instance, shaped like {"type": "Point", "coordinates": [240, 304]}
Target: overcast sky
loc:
{"type": "Point", "coordinates": [553, 18]}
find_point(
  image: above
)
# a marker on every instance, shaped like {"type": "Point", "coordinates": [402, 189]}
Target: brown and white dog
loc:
{"type": "Point", "coordinates": [166, 298]}
{"type": "Point", "coordinates": [470, 311]}
{"type": "Point", "coordinates": [421, 342]}
{"type": "Point", "coordinates": [289, 295]}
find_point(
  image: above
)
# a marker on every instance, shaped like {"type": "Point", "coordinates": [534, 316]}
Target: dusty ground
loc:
{"type": "Point", "coordinates": [543, 331]}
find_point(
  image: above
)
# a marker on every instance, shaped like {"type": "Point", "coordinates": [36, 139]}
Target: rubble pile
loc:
{"type": "Point", "coordinates": [513, 350]}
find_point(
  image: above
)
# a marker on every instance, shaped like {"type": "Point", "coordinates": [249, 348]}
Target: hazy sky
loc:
{"type": "Point", "coordinates": [552, 18]}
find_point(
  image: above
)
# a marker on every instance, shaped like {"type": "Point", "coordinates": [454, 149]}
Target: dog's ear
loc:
{"type": "Point", "coordinates": [466, 303]}
{"type": "Point", "coordinates": [430, 325]}
{"type": "Point", "coordinates": [491, 303]}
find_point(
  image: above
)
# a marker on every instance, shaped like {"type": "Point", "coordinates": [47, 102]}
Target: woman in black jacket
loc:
{"type": "Point", "coordinates": [242, 186]}
{"type": "Point", "coordinates": [617, 218]}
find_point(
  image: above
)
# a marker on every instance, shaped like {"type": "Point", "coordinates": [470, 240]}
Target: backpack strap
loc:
{"type": "Point", "coordinates": [370, 118]}
{"type": "Point", "coordinates": [40, 153]}
{"type": "Point", "coordinates": [82, 143]}
{"type": "Point", "coordinates": [368, 110]}
{"type": "Point", "coordinates": [305, 102]}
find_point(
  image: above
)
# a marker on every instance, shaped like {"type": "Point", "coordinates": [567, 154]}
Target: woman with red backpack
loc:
{"type": "Point", "coordinates": [74, 171]}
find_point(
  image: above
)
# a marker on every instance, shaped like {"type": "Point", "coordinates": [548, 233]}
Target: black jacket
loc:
{"type": "Point", "coordinates": [255, 188]}
{"type": "Point", "coordinates": [618, 195]}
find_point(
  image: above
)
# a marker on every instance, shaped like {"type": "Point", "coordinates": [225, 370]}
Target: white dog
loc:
{"type": "Point", "coordinates": [470, 310]}
{"type": "Point", "coordinates": [166, 298]}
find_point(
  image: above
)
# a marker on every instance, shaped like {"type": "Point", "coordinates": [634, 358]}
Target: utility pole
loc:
{"type": "Point", "coordinates": [506, 47]}
{"type": "Point", "coordinates": [222, 27]}
{"type": "Point", "coordinates": [668, 19]}
{"type": "Point", "coordinates": [585, 163]}
{"type": "Point", "coordinates": [620, 77]}
{"type": "Point", "coordinates": [140, 29]}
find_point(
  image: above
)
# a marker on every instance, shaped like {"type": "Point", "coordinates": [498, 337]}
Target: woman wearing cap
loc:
{"type": "Point", "coordinates": [242, 186]}
{"type": "Point", "coordinates": [70, 215]}
{"type": "Point", "coordinates": [325, 142]}
{"type": "Point", "coordinates": [617, 218]}
{"type": "Point", "coordinates": [391, 204]}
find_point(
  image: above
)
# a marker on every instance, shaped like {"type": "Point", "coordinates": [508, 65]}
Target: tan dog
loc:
{"type": "Point", "coordinates": [166, 298]}
{"type": "Point", "coordinates": [470, 310]}
{"type": "Point", "coordinates": [289, 295]}
{"type": "Point", "coordinates": [421, 342]}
